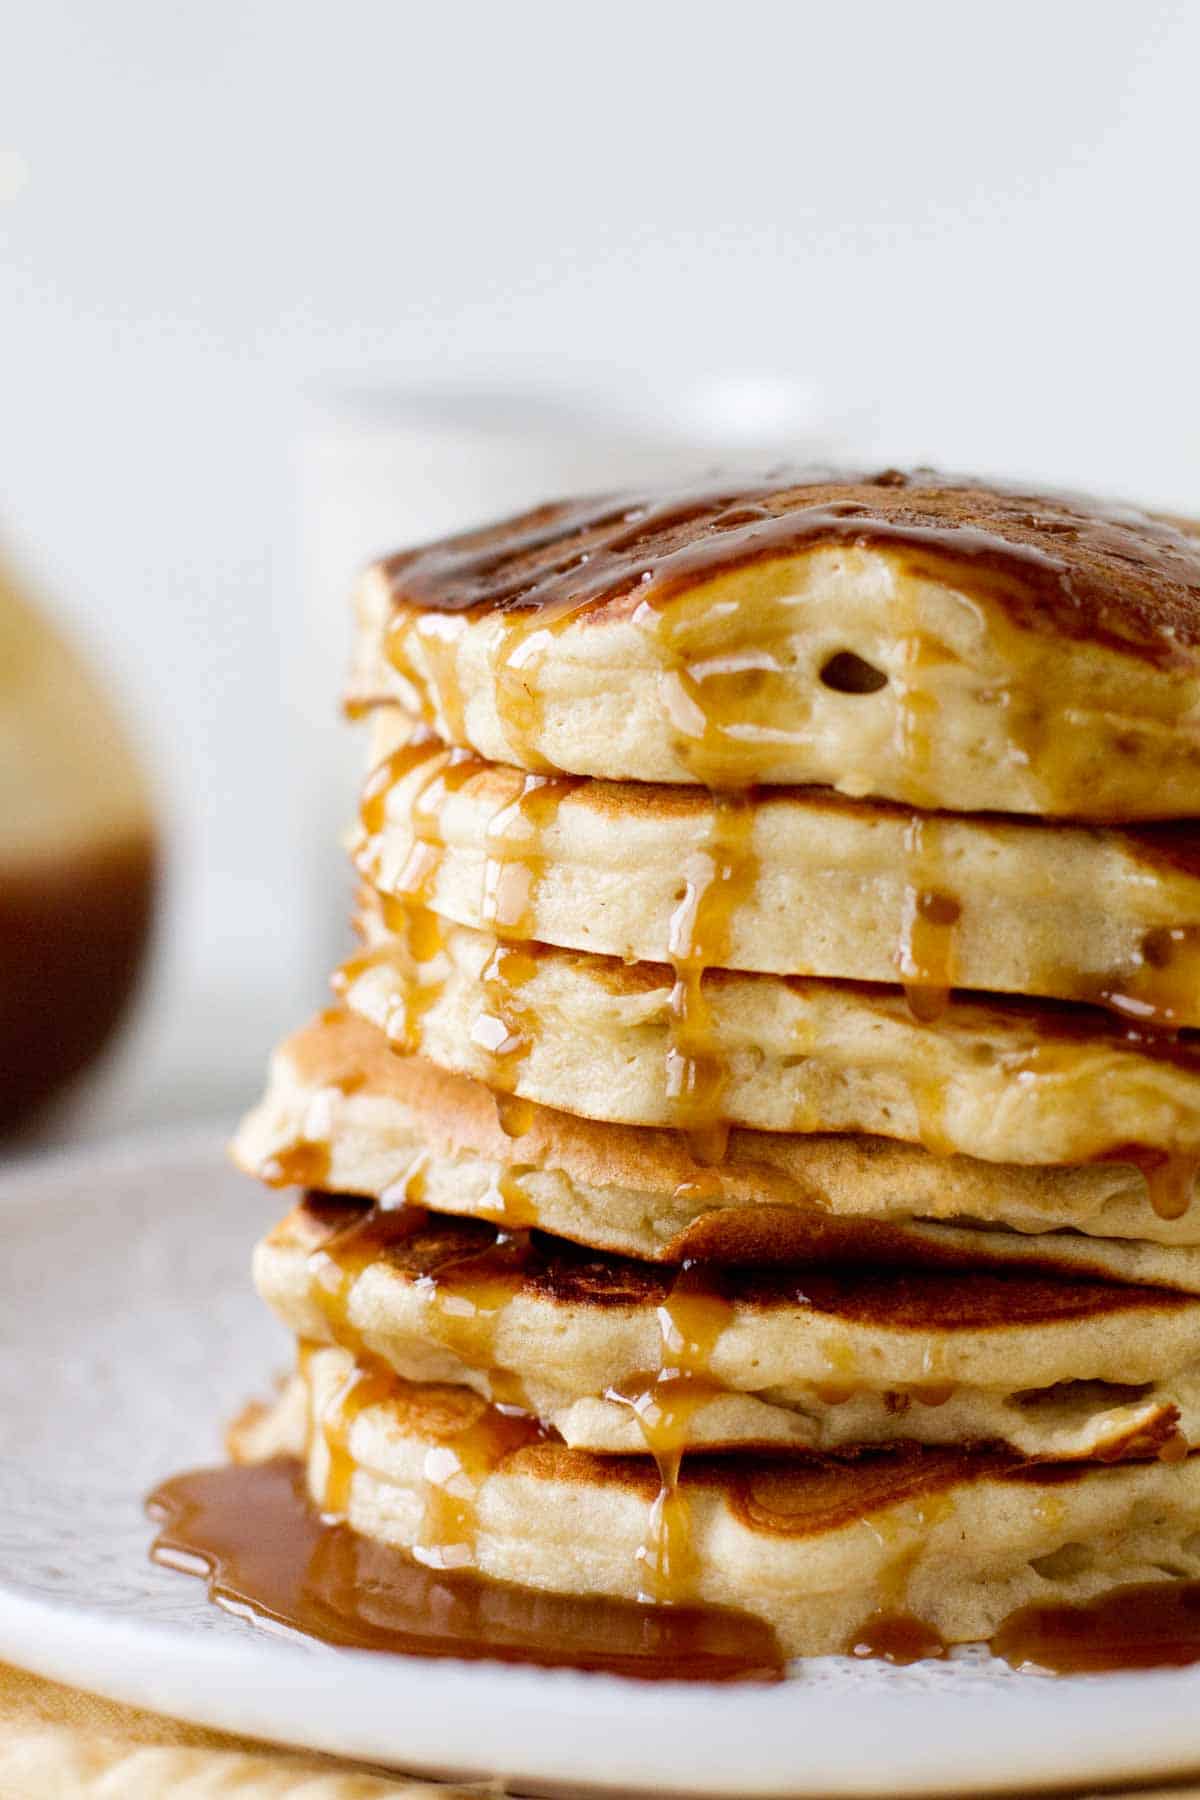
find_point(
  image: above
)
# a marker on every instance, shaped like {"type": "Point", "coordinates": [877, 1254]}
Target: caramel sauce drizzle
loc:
{"type": "Point", "coordinates": [516, 855]}
{"type": "Point", "coordinates": [691, 1320]}
{"type": "Point", "coordinates": [449, 771]}
{"type": "Point", "coordinates": [1170, 1176]}
{"type": "Point", "coordinates": [423, 984]}
{"type": "Point", "coordinates": [925, 958]}
{"type": "Point", "coordinates": [302, 1164]}
{"type": "Point", "coordinates": [1063, 558]}
{"type": "Point", "coordinates": [466, 1296]}
{"type": "Point", "coordinates": [409, 1191]}
{"type": "Point", "coordinates": [925, 953]}
{"type": "Point", "coordinates": [891, 1632]}
{"type": "Point", "coordinates": [718, 879]}
{"type": "Point", "coordinates": [1045, 566]}
{"type": "Point", "coordinates": [454, 1473]}
{"type": "Point", "coordinates": [505, 1030]}
{"type": "Point", "coordinates": [712, 691]}
{"type": "Point", "coordinates": [896, 1637]}
{"type": "Point", "coordinates": [508, 1198]}
{"type": "Point", "coordinates": [524, 642]}
{"type": "Point", "coordinates": [1161, 990]}
{"type": "Point", "coordinates": [368, 1384]}
{"type": "Point", "coordinates": [335, 1267]}
{"type": "Point", "coordinates": [515, 1116]}
{"type": "Point", "coordinates": [307, 1160]}
{"type": "Point", "coordinates": [439, 694]}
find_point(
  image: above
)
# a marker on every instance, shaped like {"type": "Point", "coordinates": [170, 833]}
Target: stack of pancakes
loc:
{"type": "Point", "coordinates": [751, 1161]}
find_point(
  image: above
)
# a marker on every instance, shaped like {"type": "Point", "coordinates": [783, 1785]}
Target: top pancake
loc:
{"type": "Point", "coordinates": [926, 639]}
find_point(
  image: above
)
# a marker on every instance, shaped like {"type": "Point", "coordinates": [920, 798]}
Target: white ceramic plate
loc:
{"type": "Point", "coordinates": [129, 1330]}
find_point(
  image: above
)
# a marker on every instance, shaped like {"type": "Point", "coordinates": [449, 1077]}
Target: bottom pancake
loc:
{"type": "Point", "coordinates": [826, 1553]}
{"type": "Point", "coordinates": [621, 1356]}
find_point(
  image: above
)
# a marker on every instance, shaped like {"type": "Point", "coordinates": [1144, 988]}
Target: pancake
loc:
{"type": "Point", "coordinates": [342, 1112]}
{"type": "Point", "coordinates": [946, 643]}
{"type": "Point", "coordinates": [619, 1356]}
{"type": "Point", "coordinates": [1004, 1081]}
{"type": "Point", "coordinates": [825, 1552]}
{"type": "Point", "coordinates": [799, 882]}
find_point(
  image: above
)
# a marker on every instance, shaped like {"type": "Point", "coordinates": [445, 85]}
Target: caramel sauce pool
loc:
{"type": "Point", "coordinates": [251, 1532]}
{"type": "Point", "coordinates": [264, 1551]}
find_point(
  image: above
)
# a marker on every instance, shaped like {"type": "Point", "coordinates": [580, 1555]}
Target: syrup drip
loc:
{"type": "Point", "coordinates": [925, 958]}
{"type": "Point", "coordinates": [449, 771]}
{"type": "Point", "coordinates": [717, 693]}
{"type": "Point", "coordinates": [1170, 1177]}
{"type": "Point", "coordinates": [896, 1637]}
{"type": "Point", "coordinates": [454, 1473]}
{"type": "Point", "coordinates": [514, 1115]}
{"type": "Point", "coordinates": [717, 880]}
{"type": "Point", "coordinates": [466, 1297]}
{"type": "Point", "coordinates": [1163, 990]}
{"type": "Point", "coordinates": [302, 1164]}
{"type": "Point", "coordinates": [369, 1383]}
{"type": "Point", "coordinates": [420, 931]}
{"type": "Point", "coordinates": [892, 1632]}
{"type": "Point", "coordinates": [930, 1098]}
{"type": "Point", "coordinates": [307, 1161]}
{"type": "Point", "coordinates": [1140, 1625]}
{"type": "Point", "coordinates": [439, 695]}
{"type": "Point", "coordinates": [410, 1190]}
{"type": "Point", "coordinates": [691, 1321]}
{"type": "Point", "coordinates": [505, 1030]}
{"type": "Point", "coordinates": [335, 1267]}
{"type": "Point", "coordinates": [516, 857]}
{"type": "Point", "coordinates": [377, 789]}
{"type": "Point", "coordinates": [453, 1470]}
{"type": "Point", "coordinates": [508, 1199]}
{"type": "Point", "coordinates": [916, 704]}
{"type": "Point", "coordinates": [266, 1554]}
{"type": "Point", "coordinates": [525, 640]}
{"type": "Point", "coordinates": [464, 1293]}
{"type": "Point", "coordinates": [337, 1264]}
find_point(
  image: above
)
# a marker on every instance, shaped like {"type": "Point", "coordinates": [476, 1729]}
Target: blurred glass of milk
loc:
{"type": "Point", "coordinates": [385, 468]}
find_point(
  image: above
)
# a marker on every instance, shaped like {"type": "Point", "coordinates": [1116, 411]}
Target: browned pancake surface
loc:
{"type": "Point", "coordinates": [421, 1246]}
{"type": "Point", "coordinates": [1061, 564]}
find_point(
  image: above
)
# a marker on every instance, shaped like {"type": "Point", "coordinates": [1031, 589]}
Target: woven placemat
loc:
{"type": "Point", "coordinates": [57, 1743]}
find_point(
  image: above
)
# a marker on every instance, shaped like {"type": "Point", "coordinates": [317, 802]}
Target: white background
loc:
{"type": "Point", "coordinates": [965, 233]}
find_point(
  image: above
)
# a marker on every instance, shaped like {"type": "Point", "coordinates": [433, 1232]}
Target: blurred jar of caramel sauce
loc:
{"type": "Point", "coordinates": [77, 862]}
